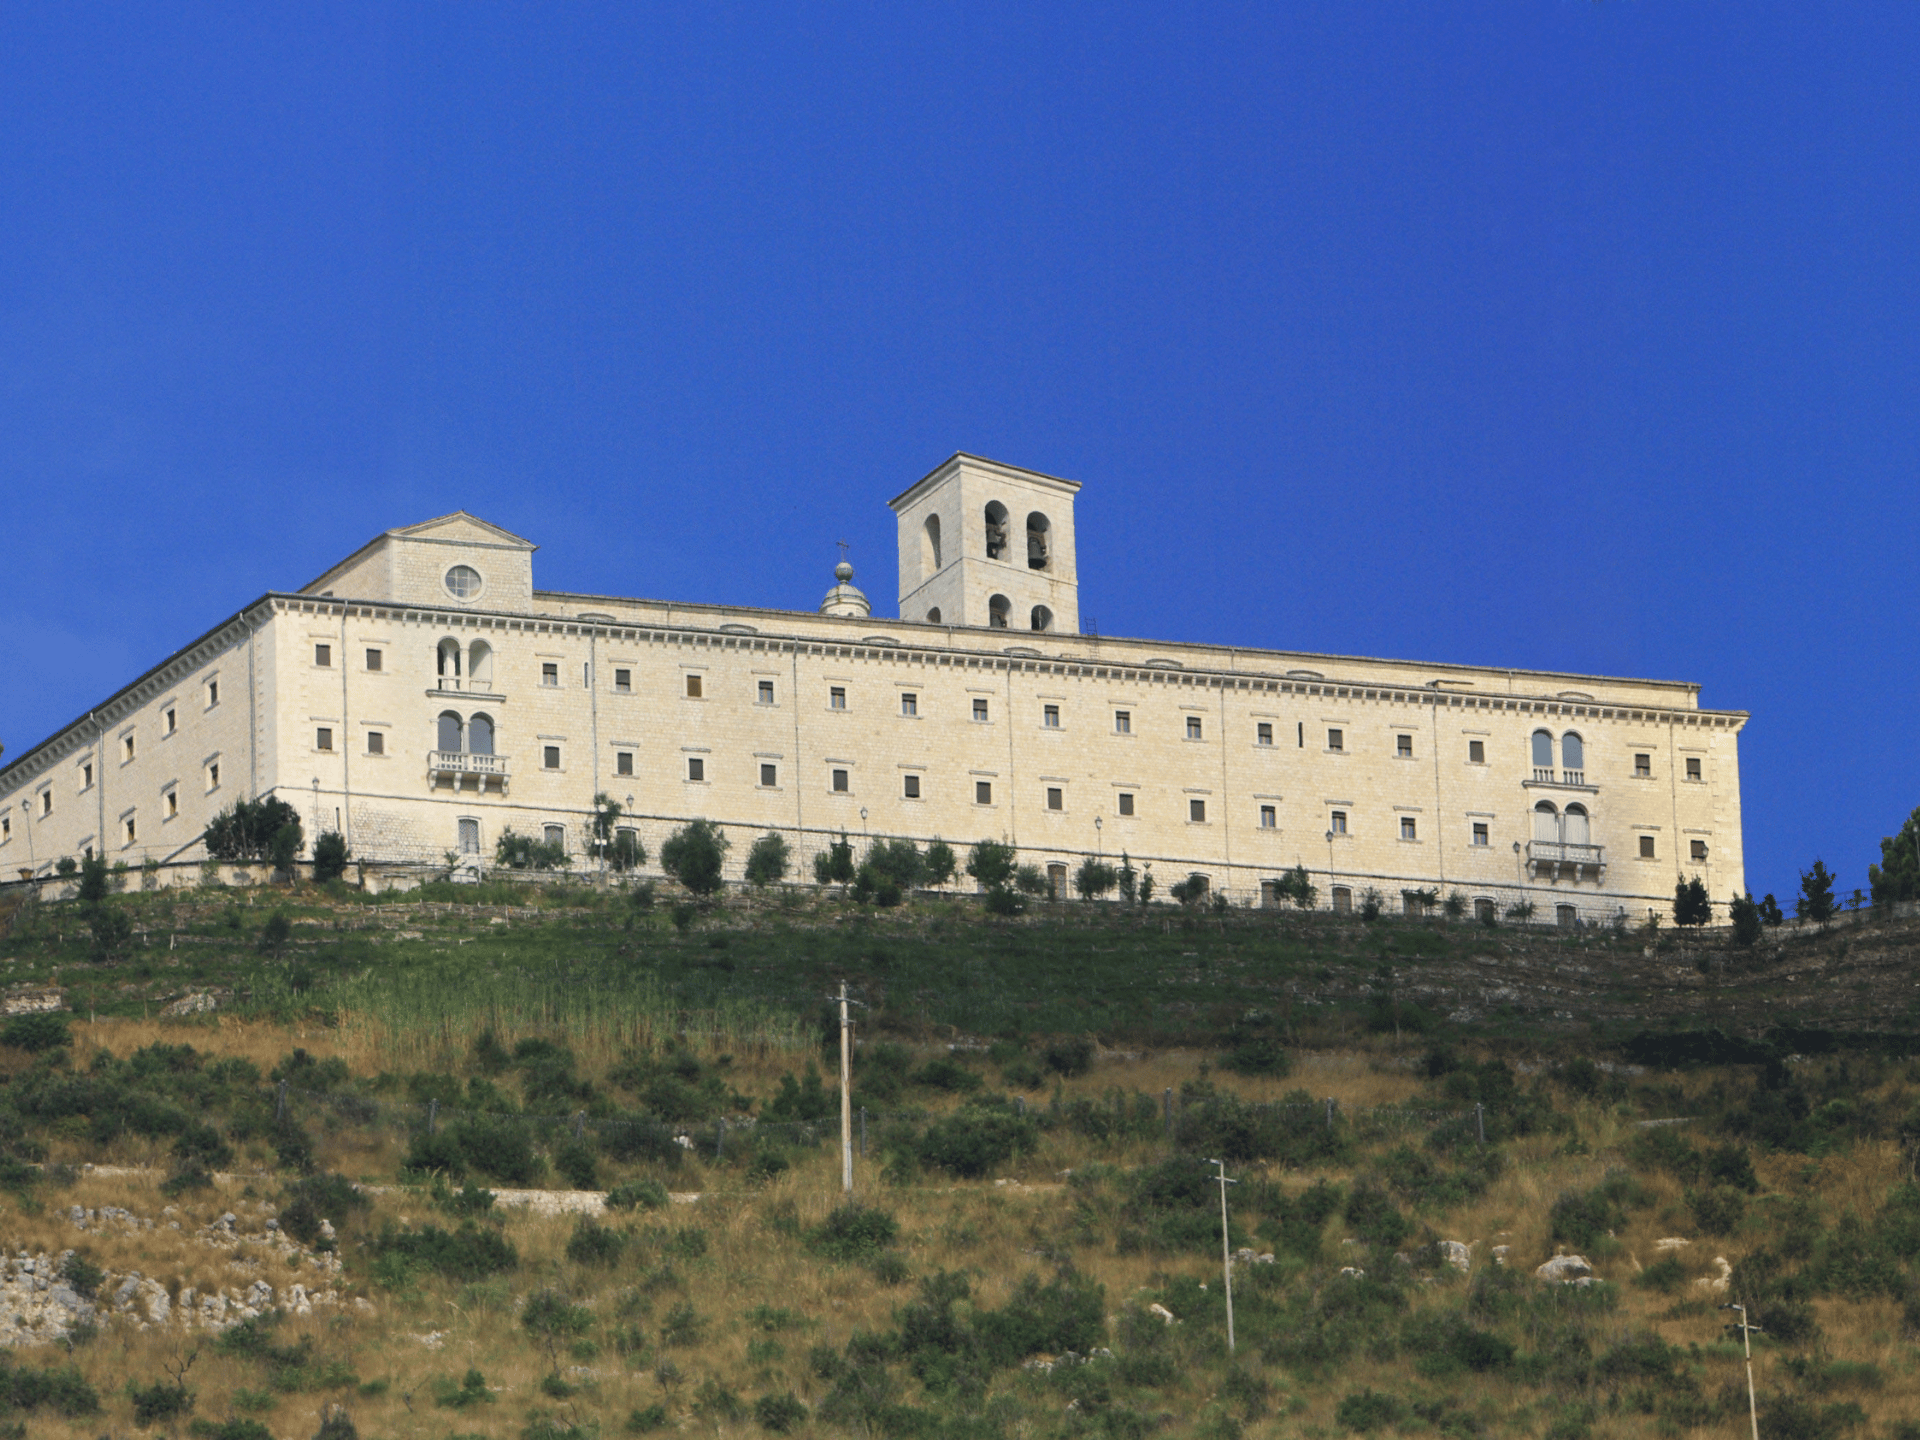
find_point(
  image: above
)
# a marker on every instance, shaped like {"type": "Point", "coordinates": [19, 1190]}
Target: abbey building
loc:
{"type": "Point", "coordinates": [423, 697]}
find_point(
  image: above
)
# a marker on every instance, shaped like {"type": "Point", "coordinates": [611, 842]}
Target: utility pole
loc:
{"type": "Point", "coordinates": [1746, 1339]}
{"type": "Point", "coordinates": [846, 1097]}
{"type": "Point", "coordinates": [1226, 1250]}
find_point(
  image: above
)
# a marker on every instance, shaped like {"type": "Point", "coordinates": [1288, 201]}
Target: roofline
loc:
{"type": "Point", "coordinates": [399, 531]}
{"type": "Point", "coordinates": [1072, 487]}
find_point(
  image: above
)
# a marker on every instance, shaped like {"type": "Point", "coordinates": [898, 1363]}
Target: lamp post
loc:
{"type": "Point", "coordinates": [1330, 904]}
{"type": "Point", "coordinates": [1746, 1340]}
{"type": "Point", "coordinates": [1097, 847]}
{"type": "Point", "coordinates": [1519, 873]}
{"type": "Point", "coordinates": [1226, 1252]}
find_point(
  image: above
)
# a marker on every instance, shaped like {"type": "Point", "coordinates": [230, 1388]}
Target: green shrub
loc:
{"type": "Point", "coordinates": [695, 855]}
{"type": "Point", "coordinates": [1584, 1218]}
{"type": "Point", "coordinates": [468, 1253]}
{"type": "Point", "coordinates": [1717, 1210]}
{"type": "Point", "coordinates": [853, 1232]}
{"type": "Point", "coordinates": [83, 1277]}
{"type": "Point", "coordinates": [62, 1389]}
{"type": "Point", "coordinates": [472, 1390]}
{"type": "Point", "coordinates": [577, 1165]}
{"type": "Point", "coordinates": [647, 1419]}
{"type": "Point", "coordinates": [1258, 1055]}
{"type": "Point", "coordinates": [975, 1139]}
{"type": "Point", "coordinates": [1665, 1275]}
{"type": "Point", "coordinates": [1367, 1410]}
{"type": "Point", "coordinates": [946, 1073]}
{"type": "Point", "coordinates": [1372, 1215]}
{"type": "Point", "coordinates": [594, 1244]}
{"type": "Point", "coordinates": [234, 1429]}
{"type": "Point", "coordinates": [158, 1402]}
{"type": "Point", "coordinates": [806, 1099]}
{"type": "Point", "coordinates": [781, 1414]}
{"type": "Point", "coordinates": [37, 1031]}
{"type": "Point", "coordinates": [553, 1319]}
{"type": "Point", "coordinates": [637, 1195]}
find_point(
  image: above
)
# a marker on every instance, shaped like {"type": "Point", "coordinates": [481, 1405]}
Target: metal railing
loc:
{"type": "Point", "coordinates": [463, 762]}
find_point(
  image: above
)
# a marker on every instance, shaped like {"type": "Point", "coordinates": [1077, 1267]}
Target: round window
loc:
{"type": "Point", "coordinates": [463, 581]}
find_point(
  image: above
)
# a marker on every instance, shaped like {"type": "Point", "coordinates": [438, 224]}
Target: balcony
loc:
{"type": "Point", "coordinates": [1564, 857]}
{"type": "Point", "coordinates": [1559, 779]}
{"type": "Point", "coordinates": [464, 770]}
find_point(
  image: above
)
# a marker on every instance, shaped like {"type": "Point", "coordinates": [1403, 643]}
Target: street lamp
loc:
{"type": "Point", "coordinates": [1098, 849]}
{"type": "Point", "coordinates": [1330, 904]}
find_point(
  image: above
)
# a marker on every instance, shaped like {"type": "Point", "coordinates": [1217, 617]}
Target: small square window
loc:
{"type": "Point", "coordinates": [909, 703]}
{"type": "Point", "coordinates": [693, 687]}
{"type": "Point", "coordinates": [376, 743]}
{"type": "Point", "coordinates": [323, 738]}
{"type": "Point", "coordinates": [550, 757]}
{"type": "Point", "coordinates": [837, 698]}
{"type": "Point", "coordinates": [696, 768]}
{"type": "Point", "coordinates": [213, 693]}
{"type": "Point", "coordinates": [1269, 817]}
{"type": "Point", "coordinates": [910, 786]}
{"type": "Point", "coordinates": [1693, 767]}
{"type": "Point", "coordinates": [1056, 798]}
{"type": "Point", "coordinates": [1337, 822]}
{"type": "Point", "coordinates": [1126, 803]}
{"type": "Point", "coordinates": [840, 784]}
{"type": "Point", "coordinates": [766, 692]}
{"type": "Point", "coordinates": [550, 674]}
{"type": "Point", "coordinates": [1263, 733]}
{"type": "Point", "coordinates": [1336, 740]}
{"type": "Point", "coordinates": [1408, 831]}
{"type": "Point", "coordinates": [1697, 849]}
{"type": "Point", "coordinates": [1403, 746]}
{"type": "Point", "coordinates": [1050, 717]}
{"type": "Point", "coordinates": [623, 682]}
{"type": "Point", "coordinates": [323, 656]}
{"type": "Point", "coordinates": [983, 792]}
{"type": "Point", "coordinates": [979, 708]}
{"type": "Point", "coordinates": [126, 748]}
{"type": "Point", "coordinates": [1480, 835]}
{"type": "Point", "coordinates": [213, 776]}
{"type": "Point", "coordinates": [623, 762]}
{"type": "Point", "coordinates": [1123, 722]}
{"type": "Point", "coordinates": [1643, 767]}
{"type": "Point", "coordinates": [1197, 811]}
{"type": "Point", "coordinates": [1193, 727]}
{"type": "Point", "coordinates": [172, 803]}
{"type": "Point", "coordinates": [375, 660]}
{"type": "Point", "coordinates": [1646, 847]}
{"type": "Point", "coordinates": [769, 775]}
{"type": "Point", "coordinates": [172, 723]}
{"type": "Point", "coordinates": [555, 835]}
{"type": "Point", "coordinates": [1476, 752]}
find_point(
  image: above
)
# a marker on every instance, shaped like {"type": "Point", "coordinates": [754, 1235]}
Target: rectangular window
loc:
{"type": "Point", "coordinates": [1697, 849]}
{"type": "Point", "coordinates": [623, 682]}
{"type": "Point", "coordinates": [1269, 817]}
{"type": "Point", "coordinates": [586, 677]}
{"type": "Point", "coordinates": [6, 827]}
{"type": "Point", "coordinates": [909, 703]}
{"type": "Point", "coordinates": [1123, 722]}
{"type": "Point", "coordinates": [173, 803]}
{"type": "Point", "coordinates": [1403, 746]}
{"type": "Point", "coordinates": [623, 762]}
{"type": "Point", "coordinates": [769, 775]}
{"type": "Point", "coordinates": [1480, 836]}
{"type": "Point", "coordinates": [323, 738]}
{"type": "Point", "coordinates": [1126, 803]}
{"type": "Point", "coordinates": [910, 786]}
{"type": "Point", "coordinates": [554, 835]}
{"type": "Point", "coordinates": [172, 723]}
{"type": "Point", "coordinates": [983, 792]}
{"type": "Point", "coordinates": [1197, 811]}
{"type": "Point", "coordinates": [1193, 727]}
{"type": "Point", "coordinates": [213, 776]}
{"type": "Point", "coordinates": [46, 800]}
{"type": "Point", "coordinates": [376, 743]}
{"type": "Point", "coordinates": [86, 777]}
{"type": "Point", "coordinates": [1693, 766]}
{"type": "Point", "coordinates": [1476, 752]}
{"type": "Point", "coordinates": [693, 687]}
{"type": "Point", "coordinates": [1337, 822]}
{"type": "Point", "coordinates": [1646, 847]}
{"type": "Point", "coordinates": [1056, 798]}
{"type": "Point", "coordinates": [1263, 733]}
{"type": "Point", "coordinates": [1407, 829]}
{"type": "Point", "coordinates": [1050, 717]}
{"type": "Point", "coordinates": [1336, 740]}
{"type": "Point", "coordinates": [979, 709]}
{"type": "Point", "coordinates": [1483, 910]}
{"type": "Point", "coordinates": [1643, 767]}
{"type": "Point", "coordinates": [766, 692]}
{"type": "Point", "coordinates": [213, 693]}
{"type": "Point", "coordinates": [837, 698]}
{"type": "Point", "coordinates": [126, 747]}
{"type": "Point", "coordinates": [696, 768]}
{"type": "Point", "coordinates": [323, 656]}
{"type": "Point", "coordinates": [469, 837]}
{"type": "Point", "coordinates": [550, 757]}
{"type": "Point", "coordinates": [550, 674]}
{"type": "Point", "coordinates": [375, 659]}
{"type": "Point", "coordinates": [840, 782]}
{"type": "Point", "coordinates": [131, 834]}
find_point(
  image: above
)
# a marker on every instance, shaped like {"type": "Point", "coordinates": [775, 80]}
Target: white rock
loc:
{"type": "Point", "coordinates": [1565, 1269]}
{"type": "Point", "coordinates": [1500, 1253]}
{"type": "Point", "coordinates": [1716, 1284]}
{"type": "Point", "coordinates": [1455, 1254]}
{"type": "Point", "coordinates": [1350, 1270]}
{"type": "Point", "coordinates": [1166, 1315]}
{"type": "Point", "coordinates": [1671, 1242]}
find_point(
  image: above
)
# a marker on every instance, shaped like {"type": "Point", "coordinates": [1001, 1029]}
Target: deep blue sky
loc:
{"type": "Point", "coordinates": [1574, 335]}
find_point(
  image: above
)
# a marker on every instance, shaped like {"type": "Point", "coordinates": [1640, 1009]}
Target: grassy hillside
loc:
{"type": "Point", "coordinates": [1039, 1096]}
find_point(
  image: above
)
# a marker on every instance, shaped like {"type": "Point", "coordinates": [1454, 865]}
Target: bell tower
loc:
{"type": "Point", "coordinates": [989, 545]}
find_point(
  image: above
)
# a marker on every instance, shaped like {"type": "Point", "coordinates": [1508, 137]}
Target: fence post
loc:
{"type": "Point", "coordinates": [433, 1114]}
{"type": "Point", "coordinates": [579, 1123]}
{"type": "Point", "coordinates": [719, 1139]}
{"type": "Point", "coordinates": [1330, 1103]}
{"type": "Point", "coordinates": [1480, 1120]}
{"type": "Point", "coordinates": [1020, 1105]}
{"type": "Point", "coordinates": [280, 1105]}
{"type": "Point", "coordinates": [1166, 1108]}
{"type": "Point", "coordinates": [863, 1131]}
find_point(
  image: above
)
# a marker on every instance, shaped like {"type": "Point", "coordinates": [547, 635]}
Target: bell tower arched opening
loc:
{"type": "Point", "coordinates": [996, 518]}
{"type": "Point", "coordinates": [930, 559]}
{"type": "Point", "coordinates": [1039, 543]}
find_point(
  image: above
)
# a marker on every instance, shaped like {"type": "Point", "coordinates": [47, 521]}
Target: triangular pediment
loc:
{"type": "Point", "coordinates": [460, 526]}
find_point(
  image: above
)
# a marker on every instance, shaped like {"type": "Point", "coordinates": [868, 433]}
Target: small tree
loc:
{"type": "Point", "coordinates": [1370, 902]}
{"type": "Point", "coordinates": [1897, 876]}
{"type": "Point", "coordinates": [1030, 880]}
{"type": "Point", "coordinates": [695, 855]}
{"type": "Point", "coordinates": [991, 863]}
{"type": "Point", "coordinates": [620, 849]}
{"type": "Point", "coordinates": [834, 865]}
{"type": "Point", "coordinates": [1146, 886]}
{"type": "Point", "coordinates": [1746, 920]}
{"type": "Point", "coordinates": [1690, 903]}
{"type": "Point", "coordinates": [263, 829]}
{"type": "Point", "coordinates": [1816, 894]}
{"type": "Point", "coordinates": [112, 935]}
{"type": "Point", "coordinates": [1297, 887]}
{"type": "Point", "coordinates": [941, 863]}
{"type": "Point", "coordinates": [898, 861]}
{"type": "Point", "coordinates": [523, 852]}
{"type": "Point", "coordinates": [1770, 910]}
{"type": "Point", "coordinates": [1190, 891]}
{"type": "Point", "coordinates": [330, 856]}
{"type": "Point", "coordinates": [1455, 905]}
{"type": "Point", "coordinates": [93, 879]}
{"type": "Point", "coordinates": [767, 861]}
{"type": "Point", "coordinates": [1094, 878]}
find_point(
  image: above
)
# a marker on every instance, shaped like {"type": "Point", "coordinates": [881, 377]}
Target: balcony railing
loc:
{"type": "Point", "coordinates": [1563, 852]}
{"type": "Point", "coordinates": [1543, 774]}
{"type": "Point", "coordinates": [461, 762]}
{"type": "Point", "coordinates": [1573, 777]}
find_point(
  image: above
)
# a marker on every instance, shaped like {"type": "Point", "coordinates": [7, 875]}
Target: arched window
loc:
{"type": "Point", "coordinates": [933, 616]}
{"type": "Point", "coordinates": [930, 548]}
{"type": "Point", "coordinates": [1039, 543]}
{"type": "Point", "coordinates": [998, 609]}
{"type": "Point", "coordinates": [480, 734]}
{"type": "Point", "coordinates": [1042, 618]}
{"type": "Point", "coordinates": [996, 530]}
{"type": "Point", "coordinates": [480, 665]}
{"type": "Point", "coordinates": [1574, 826]}
{"type": "Point", "coordinates": [1573, 758]}
{"type": "Point", "coordinates": [448, 664]}
{"type": "Point", "coordinates": [1542, 755]}
{"type": "Point", "coordinates": [449, 733]}
{"type": "Point", "coordinates": [1546, 822]}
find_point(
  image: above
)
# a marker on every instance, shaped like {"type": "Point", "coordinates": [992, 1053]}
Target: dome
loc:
{"type": "Point", "coordinates": [845, 599]}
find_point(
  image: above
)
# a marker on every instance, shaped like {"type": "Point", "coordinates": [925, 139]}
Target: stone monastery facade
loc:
{"type": "Point", "coordinates": [422, 697]}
